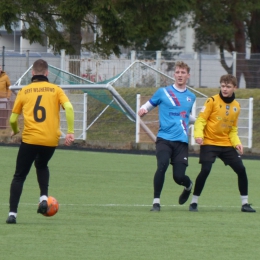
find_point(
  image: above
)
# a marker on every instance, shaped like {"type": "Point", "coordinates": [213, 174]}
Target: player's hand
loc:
{"type": "Point", "coordinates": [13, 133]}
{"type": "Point", "coordinates": [69, 139]}
{"type": "Point", "coordinates": [199, 140]}
{"type": "Point", "coordinates": [142, 112]}
{"type": "Point", "coordinates": [239, 148]}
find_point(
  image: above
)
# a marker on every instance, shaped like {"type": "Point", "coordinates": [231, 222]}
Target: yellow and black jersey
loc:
{"type": "Point", "coordinates": [40, 104]}
{"type": "Point", "coordinates": [217, 122]}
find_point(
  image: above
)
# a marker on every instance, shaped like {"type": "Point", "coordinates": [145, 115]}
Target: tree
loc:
{"type": "Point", "coordinates": [231, 25]}
{"type": "Point", "coordinates": [137, 23]}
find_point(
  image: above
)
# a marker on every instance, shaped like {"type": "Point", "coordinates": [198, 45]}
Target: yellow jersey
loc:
{"type": "Point", "coordinates": [217, 122]}
{"type": "Point", "coordinates": [40, 104]}
{"type": "Point", "coordinates": [5, 92]}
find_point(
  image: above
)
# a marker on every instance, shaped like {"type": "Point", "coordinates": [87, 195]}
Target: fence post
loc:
{"type": "Point", "coordinates": [97, 67]}
{"type": "Point", "coordinates": [85, 115]}
{"type": "Point", "coordinates": [132, 84]}
{"type": "Point", "coordinates": [199, 68]}
{"type": "Point", "coordinates": [158, 67]}
{"type": "Point", "coordinates": [137, 121]}
{"type": "Point", "coordinates": [234, 70]}
{"type": "Point", "coordinates": [62, 59]}
{"type": "Point", "coordinates": [250, 123]}
{"type": "Point", "coordinates": [195, 57]}
{"type": "Point", "coordinates": [27, 59]}
{"type": "Point", "coordinates": [3, 58]}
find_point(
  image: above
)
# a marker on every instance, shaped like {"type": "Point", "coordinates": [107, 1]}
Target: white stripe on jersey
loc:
{"type": "Point", "coordinates": [170, 98]}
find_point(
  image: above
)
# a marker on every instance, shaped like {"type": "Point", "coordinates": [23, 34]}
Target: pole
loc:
{"type": "Point", "coordinates": [158, 67]}
{"type": "Point", "coordinates": [234, 70]}
{"type": "Point", "coordinates": [199, 68]}
{"type": "Point", "coordinates": [3, 58]}
{"type": "Point", "coordinates": [137, 121]}
{"type": "Point", "coordinates": [27, 59]}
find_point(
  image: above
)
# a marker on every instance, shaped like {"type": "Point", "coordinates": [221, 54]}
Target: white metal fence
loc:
{"type": "Point", "coordinates": [206, 69]}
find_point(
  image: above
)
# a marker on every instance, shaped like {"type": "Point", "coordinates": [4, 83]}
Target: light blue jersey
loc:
{"type": "Point", "coordinates": [174, 110]}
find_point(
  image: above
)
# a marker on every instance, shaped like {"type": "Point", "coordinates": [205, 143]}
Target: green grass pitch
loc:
{"type": "Point", "coordinates": [105, 201]}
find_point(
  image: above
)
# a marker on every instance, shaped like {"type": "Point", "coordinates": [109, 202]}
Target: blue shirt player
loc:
{"type": "Point", "coordinates": [175, 104]}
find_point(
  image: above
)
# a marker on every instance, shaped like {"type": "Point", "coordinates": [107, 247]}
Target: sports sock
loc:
{"type": "Point", "coordinates": [13, 213]}
{"type": "Point", "coordinates": [194, 199]}
{"type": "Point", "coordinates": [244, 200]}
{"type": "Point", "coordinates": [156, 200]}
{"type": "Point", "coordinates": [43, 197]}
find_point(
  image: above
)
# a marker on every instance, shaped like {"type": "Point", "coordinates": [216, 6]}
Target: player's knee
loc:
{"type": "Point", "coordinates": [162, 162]}
{"type": "Point", "coordinates": [206, 168]}
{"type": "Point", "coordinates": [162, 166]}
{"type": "Point", "coordinates": [178, 179]}
{"type": "Point", "coordinates": [40, 166]}
{"type": "Point", "coordinates": [239, 168]}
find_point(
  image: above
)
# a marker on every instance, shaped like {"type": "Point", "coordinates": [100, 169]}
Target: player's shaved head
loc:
{"type": "Point", "coordinates": [40, 67]}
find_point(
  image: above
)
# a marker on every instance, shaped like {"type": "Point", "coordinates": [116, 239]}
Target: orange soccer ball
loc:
{"type": "Point", "coordinates": [53, 207]}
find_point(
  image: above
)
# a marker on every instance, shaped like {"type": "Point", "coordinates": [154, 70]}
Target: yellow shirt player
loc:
{"type": "Point", "coordinates": [215, 130]}
{"type": "Point", "coordinates": [5, 94]}
{"type": "Point", "coordinates": [40, 104]}
{"type": "Point", "coordinates": [217, 123]}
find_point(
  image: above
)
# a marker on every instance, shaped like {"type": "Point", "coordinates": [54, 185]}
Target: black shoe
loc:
{"type": "Point", "coordinates": [156, 207]}
{"type": "Point", "coordinates": [247, 208]}
{"type": "Point", "coordinates": [185, 195]}
{"type": "Point", "coordinates": [193, 207]}
{"type": "Point", "coordinates": [43, 206]}
{"type": "Point", "coordinates": [11, 219]}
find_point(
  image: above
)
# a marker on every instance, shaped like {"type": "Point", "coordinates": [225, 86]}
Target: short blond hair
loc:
{"type": "Point", "coordinates": [182, 65]}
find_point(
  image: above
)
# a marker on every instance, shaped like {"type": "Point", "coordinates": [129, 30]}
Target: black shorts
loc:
{"type": "Point", "coordinates": [227, 154]}
{"type": "Point", "coordinates": [178, 151]}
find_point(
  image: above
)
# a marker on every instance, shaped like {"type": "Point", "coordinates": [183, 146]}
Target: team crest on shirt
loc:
{"type": "Point", "coordinates": [188, 99]}
{"type": "Point", "coordinates": [234, 109]}
{"type": "Point", "coordinates": [183, 114]}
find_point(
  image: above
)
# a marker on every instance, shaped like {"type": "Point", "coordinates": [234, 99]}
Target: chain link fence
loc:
{"type": "Point", "coordinates": [112, 128]}
{"type": "Point", "coordinates": [206, 69]}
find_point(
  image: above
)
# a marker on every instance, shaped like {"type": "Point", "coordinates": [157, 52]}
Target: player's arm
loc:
{"type": "Point", "coordinates": [199, 126]}
{"type": "Point", "coordinates": [234, 139]}
{"type": "Point", "coordinates": [202, 120]}
{"type": "Point", "coordinates": [14, 124]}
{"type": "Point", "coordinates": [233, 136]}
{"type": "Point", "coordinates": [69, 111]}
{"type": "Point", "coordinates": [145, 108]}
{"type": "Point", "coordinates": [8, 84]}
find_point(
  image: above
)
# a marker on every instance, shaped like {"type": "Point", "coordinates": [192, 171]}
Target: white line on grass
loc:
{"type": "Point", "coordinates": [126, 205]}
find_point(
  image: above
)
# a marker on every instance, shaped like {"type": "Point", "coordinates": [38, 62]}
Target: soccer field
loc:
{"type": "Point", "coordinates": [105, 201]}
